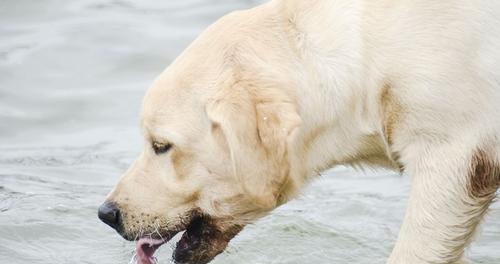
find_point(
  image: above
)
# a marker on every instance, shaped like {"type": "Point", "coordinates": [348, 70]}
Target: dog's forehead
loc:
{"type": "Point", "coordinates": [177, 98]}
{"type": "Point", "coordinates": [171, 111]}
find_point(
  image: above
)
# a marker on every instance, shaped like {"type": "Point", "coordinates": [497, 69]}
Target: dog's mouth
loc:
{"type": "Point", "coordinates": [146, 248]}
{"type": "Point", "coordinates": [201, 242]}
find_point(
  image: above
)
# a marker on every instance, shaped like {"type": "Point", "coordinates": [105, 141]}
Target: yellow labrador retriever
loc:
{"type": "Point", "coordinates": [267, 98]}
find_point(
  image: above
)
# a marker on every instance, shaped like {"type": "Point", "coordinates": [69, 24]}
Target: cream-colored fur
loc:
{"type": "Point", "coordinates": [265, 99]}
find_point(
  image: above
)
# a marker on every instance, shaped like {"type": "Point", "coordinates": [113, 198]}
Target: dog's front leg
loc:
{"type": "Point", "coordinates": [452, 187]}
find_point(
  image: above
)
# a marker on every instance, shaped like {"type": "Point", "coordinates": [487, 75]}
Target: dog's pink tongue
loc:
{"type": "Point", "coordinates": [145, 250]}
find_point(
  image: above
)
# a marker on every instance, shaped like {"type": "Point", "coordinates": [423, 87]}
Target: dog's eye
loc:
{"type": "Point", "coordinates": [161, 148]}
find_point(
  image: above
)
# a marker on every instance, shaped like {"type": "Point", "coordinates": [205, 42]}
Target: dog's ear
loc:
{"type": "Point", "coordinates": [259, 129]}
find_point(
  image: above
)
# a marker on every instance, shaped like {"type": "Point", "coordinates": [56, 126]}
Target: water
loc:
{"type": "Point", "coordinates": [72, 75]}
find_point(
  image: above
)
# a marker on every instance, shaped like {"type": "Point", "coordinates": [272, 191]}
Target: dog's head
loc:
{"type": "Point", "coordinates": [218, 130]}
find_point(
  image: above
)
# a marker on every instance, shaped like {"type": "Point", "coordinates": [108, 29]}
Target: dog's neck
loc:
{"type": "Point", "coordinates": [339, 97]}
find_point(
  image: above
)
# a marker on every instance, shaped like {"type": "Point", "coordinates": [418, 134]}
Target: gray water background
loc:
{"type": "Point", "coordinates": [72, 76]}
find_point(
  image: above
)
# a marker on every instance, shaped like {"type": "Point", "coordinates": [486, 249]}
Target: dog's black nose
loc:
{"type": "Point", "coordinates": [110, 215]}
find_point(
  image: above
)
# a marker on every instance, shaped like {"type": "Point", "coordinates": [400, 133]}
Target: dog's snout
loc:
{"type": "Point", "coordinates": [110, 215]}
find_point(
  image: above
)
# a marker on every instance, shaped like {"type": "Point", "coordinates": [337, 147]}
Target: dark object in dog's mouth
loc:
{"type": "Point", "coordinates": [201, 242]}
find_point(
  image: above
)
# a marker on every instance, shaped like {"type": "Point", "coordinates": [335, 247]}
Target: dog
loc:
{"type": "Point", "coordinates": [267, 98]}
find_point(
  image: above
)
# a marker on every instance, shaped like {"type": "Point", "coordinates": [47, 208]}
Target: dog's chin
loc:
{"type": "Point", "coordinates": [203, 240]}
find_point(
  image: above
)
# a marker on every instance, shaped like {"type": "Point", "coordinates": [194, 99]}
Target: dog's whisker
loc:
{"type": "Point", "coordinates": [157, 229]}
